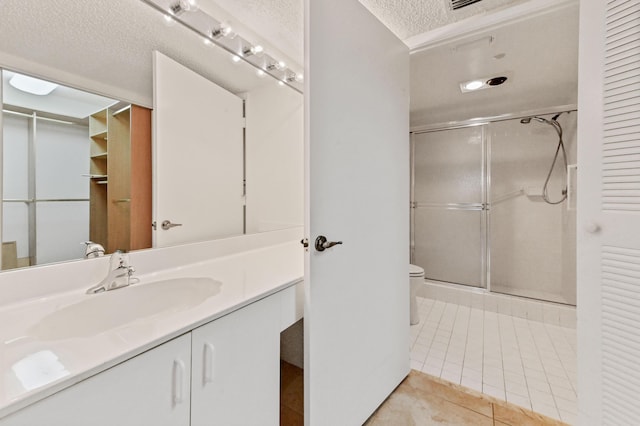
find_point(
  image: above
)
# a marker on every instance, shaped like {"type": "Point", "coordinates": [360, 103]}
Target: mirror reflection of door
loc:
{"type": "Point", "coordinates": [49, 166]}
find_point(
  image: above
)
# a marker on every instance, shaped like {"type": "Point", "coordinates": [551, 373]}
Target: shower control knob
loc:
{"type": "Point", "coordinates": [322, 243]}
{"type": "Point", "coordinates": [592, 228]}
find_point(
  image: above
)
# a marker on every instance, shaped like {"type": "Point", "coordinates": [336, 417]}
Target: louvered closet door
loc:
{"type": "Point", "coordinates": [609, 213]}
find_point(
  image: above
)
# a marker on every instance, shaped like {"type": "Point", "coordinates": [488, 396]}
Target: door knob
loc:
{"type": "Point", "coordinates": [166, 225]}
{"type": "Point", "coordinates": [322, 243]}
{"type": "Point", "coordinates": [592, 228]}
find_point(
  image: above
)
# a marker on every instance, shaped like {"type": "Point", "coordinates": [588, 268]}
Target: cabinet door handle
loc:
{"type": "Point", "coordinates": [207, 370]}
{"type": "Point", "coordinates": [178, 381]}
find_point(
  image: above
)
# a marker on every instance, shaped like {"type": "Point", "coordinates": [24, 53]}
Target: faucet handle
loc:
{"type": "Point", "coordinates": [119, 259]}
{"type": "Point", "coordinates": [93, 250]}
{"type": "Point", "coordinates": [130, 278]}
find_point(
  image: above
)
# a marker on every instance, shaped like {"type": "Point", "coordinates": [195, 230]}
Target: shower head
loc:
{"type": "Point", "coordinates": [527, 120]}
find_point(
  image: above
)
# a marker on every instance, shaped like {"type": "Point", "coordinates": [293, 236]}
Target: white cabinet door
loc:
{"type": "Point", "coordinates": [357, 152]}
{"type": "Point", "coordinates": [197, 140]}
{"type": "Point", "coordinates": [150, 389]}
{"type": "Point", "coordinates": [608, 257]}
{"type": "Point", "coordinates": [236, 368]}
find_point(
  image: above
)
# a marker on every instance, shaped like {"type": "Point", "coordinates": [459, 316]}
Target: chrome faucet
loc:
{"type": "Point", "coordinates": [120, 274]}
{"type": "Point", "coordinates": [93, 250]}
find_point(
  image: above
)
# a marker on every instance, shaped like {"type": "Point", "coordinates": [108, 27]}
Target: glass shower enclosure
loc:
{"type": "Point", "coordinates": [449, 205]}
{"type": "Point", "coordinates": [478, 215]}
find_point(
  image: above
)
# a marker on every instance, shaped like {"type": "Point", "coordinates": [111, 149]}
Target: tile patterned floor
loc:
{"type": "Point", "coordinates": [527, 363]}
{"type": "Point", "coordinates": [425, 400]}
{"type": "Point", "coordinates": [419, 400]}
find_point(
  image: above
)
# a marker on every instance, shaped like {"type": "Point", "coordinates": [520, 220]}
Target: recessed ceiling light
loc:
{"type": "Point", "coordinates": [473, 85]}
{"type": "Point", "coordinates": [496, 81]}
{"type": "Point", "coordinates": [32, 85]}
{"type": "Point", "coordinates": [483, 83]}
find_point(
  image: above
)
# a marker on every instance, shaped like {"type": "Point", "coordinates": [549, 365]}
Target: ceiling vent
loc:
{"type": "Point", "coordinates": [459, 4]}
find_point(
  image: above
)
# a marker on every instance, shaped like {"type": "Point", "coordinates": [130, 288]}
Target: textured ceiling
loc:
{"type": "Point", "coordinates": [106, 46]}
{"type": "Point", "coordinates": [281, 21]}
{"type": "Point", "coordinates": [110, 42]}
{"type": "Point", "coordinates": [539, 55]}
{"type": "Point", "coordinates": [407, 18]}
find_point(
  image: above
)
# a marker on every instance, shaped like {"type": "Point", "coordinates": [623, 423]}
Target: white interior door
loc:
{"type": "Point", "coordinates": [609, 213]}
{"type": "Point", "coordinates": [357, 192]}
{"type": "Point", "coordinates": [197, 141]}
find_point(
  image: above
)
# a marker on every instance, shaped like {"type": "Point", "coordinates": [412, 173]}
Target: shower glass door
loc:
{"type": "Point", "coordinates": [533, 243]}
{"type": "Point", "coordinates": [448, 205]}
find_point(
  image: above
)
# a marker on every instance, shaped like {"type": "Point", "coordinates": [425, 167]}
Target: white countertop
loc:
{"type": "Point", "coordinates": [34, 367]}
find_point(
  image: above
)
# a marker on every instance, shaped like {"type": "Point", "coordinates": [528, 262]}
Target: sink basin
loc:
{"type": "Point", "coordinates": [100, 312]}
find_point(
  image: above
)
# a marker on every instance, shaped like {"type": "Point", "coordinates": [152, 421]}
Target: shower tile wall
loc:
{"type": "Point", "coordinates": [532, 242]}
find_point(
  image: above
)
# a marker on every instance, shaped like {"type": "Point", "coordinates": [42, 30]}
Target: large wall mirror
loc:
{"type": "Point", "coordinates": [77, 161]}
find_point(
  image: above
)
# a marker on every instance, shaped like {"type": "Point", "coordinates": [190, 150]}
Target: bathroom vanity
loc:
{"type": "Point", "coordinates": [196, 341]}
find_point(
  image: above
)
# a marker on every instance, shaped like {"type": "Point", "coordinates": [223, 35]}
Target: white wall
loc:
{"type": "Point", "coordinates": [15, 226]}
{"type": "Point", "coordinates": [274, 158]}
{"type": "Point", "coordinates": [61, 158]}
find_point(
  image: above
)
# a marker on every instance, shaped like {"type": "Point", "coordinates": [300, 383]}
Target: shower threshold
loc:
{"type": "Point", "coordinates": [478, 296]}
{"type": "Point", "coordinates": [530, 294]}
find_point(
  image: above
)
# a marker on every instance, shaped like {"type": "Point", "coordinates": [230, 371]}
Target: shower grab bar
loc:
{"type": "Point", "coordinates": [507, 196]}
{"type": "Point", "coordinates": [448, 206]}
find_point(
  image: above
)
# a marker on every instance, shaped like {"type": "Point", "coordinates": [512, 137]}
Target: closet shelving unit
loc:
{"type": "Point", "coordinates": [98, 176]}
{"type": "Point", "coordinates": [120, 176]}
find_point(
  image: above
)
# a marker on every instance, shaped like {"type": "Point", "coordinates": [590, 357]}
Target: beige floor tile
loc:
{"type": "Point", "coordinates": [291, 387]}
{"type": "Point", "coordinates": [419, 400]}
{"type": "Point", "coordinates": [422, 384]}
{"type": "Point", "coordinates": [405, 408]}
{"type": "Point", "coordinates": [516, 416]}
{"type": "Point", "coordinates": [289, 417]}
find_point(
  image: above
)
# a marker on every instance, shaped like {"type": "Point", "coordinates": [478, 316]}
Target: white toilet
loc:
{"type": "Point", "coordinates": [416, 279]}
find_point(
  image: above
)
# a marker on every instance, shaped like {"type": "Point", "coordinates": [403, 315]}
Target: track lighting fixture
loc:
{"type": "Point", "coordinates": [276, 66]}
{"type": "Point", "coordinates": [223, 31]}
{"type": "Point", "coordinates": [181, 6]}
{"type": "Point", "coordinates": [253, 50]}
{"type": "Point", "coordinates": [214, 31]}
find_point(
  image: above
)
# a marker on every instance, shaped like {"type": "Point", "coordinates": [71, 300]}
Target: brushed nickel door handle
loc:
{"type": "Point", "coordinates": [166, 225]}
{"type": "Point", "coordinates": [322, 244]}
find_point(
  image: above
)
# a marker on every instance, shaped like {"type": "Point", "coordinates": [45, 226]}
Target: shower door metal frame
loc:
{"type": "Point", "coordinates": [486, 174]}
{"type": "Point", "coordinates": [482, 207]}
